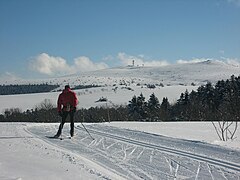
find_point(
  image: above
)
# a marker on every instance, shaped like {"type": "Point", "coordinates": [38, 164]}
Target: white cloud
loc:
{"type": "Point", "coordinates": [84, 64]}
{"type": "Point", "coordinates": [139, 60]}
{"type": "Point", "coordinates": [229, 61]}
{"type": "Point", "coordinates": [196, 60]}
{"type": "Point", "coordinates": [234, 62]}
{"type": "Point", "coordinates": [50, 65]}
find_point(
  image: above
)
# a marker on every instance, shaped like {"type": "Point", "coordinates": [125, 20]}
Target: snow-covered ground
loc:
{"type": "Point", "coordinates": [88, 97]}
{"type": "Point", "coordinates": [125, 150]}
{"type": "Point", "coordinates": [195, 131]}
{"type": "Point", "coordinates": [24, 156]}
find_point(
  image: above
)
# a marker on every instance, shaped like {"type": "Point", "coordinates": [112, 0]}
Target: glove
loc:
{"type": "Point", "coordinates": [60, 113]}
{"type": "Point", "coordinates": [74, 109]}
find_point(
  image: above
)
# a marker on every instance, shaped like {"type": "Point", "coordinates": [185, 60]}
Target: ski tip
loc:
{"type": "Point", "coordinates": [51, 137]}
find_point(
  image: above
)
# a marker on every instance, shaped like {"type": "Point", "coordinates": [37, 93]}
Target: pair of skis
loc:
{"type": "Point", "coordinates": [61, 138]}
{"type": "Point", "coordinates": [83, 127]}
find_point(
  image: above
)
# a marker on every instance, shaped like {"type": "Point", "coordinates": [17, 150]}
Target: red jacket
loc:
{"type": "Point", "coordinates": [67, 97]}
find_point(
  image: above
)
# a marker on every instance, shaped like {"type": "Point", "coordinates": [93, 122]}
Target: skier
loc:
{"type": "Point", "coordinates": [66, 104]}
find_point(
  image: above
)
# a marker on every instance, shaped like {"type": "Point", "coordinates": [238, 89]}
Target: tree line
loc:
{"type": "Point", "coordinates": [26, 89]}
{"type": "Point", "coordinates": [219, 102]}
{"type": "Point", "coordinates": [48, 114]}
{"type": "Point", "coordinates": [208, 103]}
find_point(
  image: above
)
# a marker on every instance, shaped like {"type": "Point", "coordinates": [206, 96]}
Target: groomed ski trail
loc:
{"type": "Point", "coordinates": [139, 155]}
{"type": "Point", "coordinates": [198, 157]}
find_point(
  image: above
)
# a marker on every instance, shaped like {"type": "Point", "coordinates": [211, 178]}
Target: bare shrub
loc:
{"type": "Point", "coordinates": [46, 104]}
{"type": "Point", "coordinates": [226, 130]}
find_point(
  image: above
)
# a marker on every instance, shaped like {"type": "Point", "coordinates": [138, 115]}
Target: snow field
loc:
{"type": "Point", "coordinates": [27, 157]}
{"type": "Point", "coordinates": [120, 150]}
{"type": "Point", "coordinates": [195, 131]}
{"type": "Point", "coordinates": [88, 97]}
{"type": "Point", "coordinates": [135, 154]}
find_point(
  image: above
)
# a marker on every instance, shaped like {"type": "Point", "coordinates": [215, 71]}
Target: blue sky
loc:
{"type": "Point", "coordinates": [40, 38]}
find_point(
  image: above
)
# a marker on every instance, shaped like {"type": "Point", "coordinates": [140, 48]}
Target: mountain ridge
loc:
{"type": "Point", "coordinates": [185, 73]}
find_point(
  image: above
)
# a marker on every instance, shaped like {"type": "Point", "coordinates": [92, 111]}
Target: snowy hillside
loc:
{"type": "Point", "coordinates": [175, 74]}
{"type": "Point", "coordinates": [185, 74]}
{"type": "Point", "coordinates": [120, 84]}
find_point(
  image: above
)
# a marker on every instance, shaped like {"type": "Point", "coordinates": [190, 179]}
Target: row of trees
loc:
{"type": "Point", "coordinates": [209, 102]}
{"type": "Point", "coordinates": [26, 89]}
{"type": "Point", "coordinates": [150, 110]}
{"type": "Point", "coordinates": [85, 86]}
{"type": "Point", "coordinates": [49, 114]}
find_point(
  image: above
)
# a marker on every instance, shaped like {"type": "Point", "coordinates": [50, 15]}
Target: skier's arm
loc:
{"type": "Point", "coordinates": [75, 100]}
{"type": "Point", "coordinates": [59, 103]}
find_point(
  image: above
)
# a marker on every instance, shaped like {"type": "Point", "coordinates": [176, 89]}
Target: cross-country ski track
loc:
{"type": "Point", "coordinates": [138, 155]}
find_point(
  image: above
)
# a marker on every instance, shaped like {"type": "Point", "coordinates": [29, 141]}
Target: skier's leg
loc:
{"type": "Point", "coordinates": [72, 124]}
{"type": "Point", "coordinates": [64, 116]}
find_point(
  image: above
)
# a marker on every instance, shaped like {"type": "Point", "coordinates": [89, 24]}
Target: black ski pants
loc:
{"type": "Point", "coordinates": [64, 117]}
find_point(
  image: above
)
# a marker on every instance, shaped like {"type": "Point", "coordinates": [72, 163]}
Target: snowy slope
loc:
{"type": "Point", "coordinates": [120, 84]}
{"type": "Point", "coordinates": [26, 157]}
{"type": "Point", "coordinates": [87, 98]}
{"type": "Point", "coordinates": [198, 73]}
{"type": "Point", "coordinates": [115, 153]}
{"type": "Point", "coordinates": [174, 74]}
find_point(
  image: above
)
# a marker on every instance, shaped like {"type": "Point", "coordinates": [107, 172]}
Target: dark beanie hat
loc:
{"type": "Point", "coordinates": [67, 87]}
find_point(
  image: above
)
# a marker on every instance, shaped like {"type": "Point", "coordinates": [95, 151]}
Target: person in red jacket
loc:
{"type": "Point", "coordinates": [66, 105]}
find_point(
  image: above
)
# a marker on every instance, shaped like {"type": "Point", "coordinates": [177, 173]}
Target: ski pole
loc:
{"type": "Point", "coordinates": [87, 131]}
{"type": "Point", "coordinates": [61, 126]}
{"type": "Point", "coordinates": [86, 128]}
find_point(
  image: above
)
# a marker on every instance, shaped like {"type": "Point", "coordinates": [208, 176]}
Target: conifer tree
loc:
{"type": "Point", "coordinates": [153, 106]}
{"type": "Point", "coordinates": [165, 113]}
{"type": "Point", "coordinates": [153, 102]}
{"type": "Point", "coordinates": [142, 106]}
{"type": "Point", "coordinates": [132, 106]}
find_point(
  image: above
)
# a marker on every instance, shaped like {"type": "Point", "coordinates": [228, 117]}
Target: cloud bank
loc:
{"type": "Point", "coordinates": [139, 60]}
{"type": "Point", "coordinates": [51, 65]}
{"type": "Point", "coordinates": [84, 64]}
{"type": "Point", "coordinates": [233, 62]}
{"type": "Point", "coordinates": [229, 61]}
{"type": "Point", "coordinates": [195, 60]}
{"type": "Point", "coordinates": [54, 66]}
